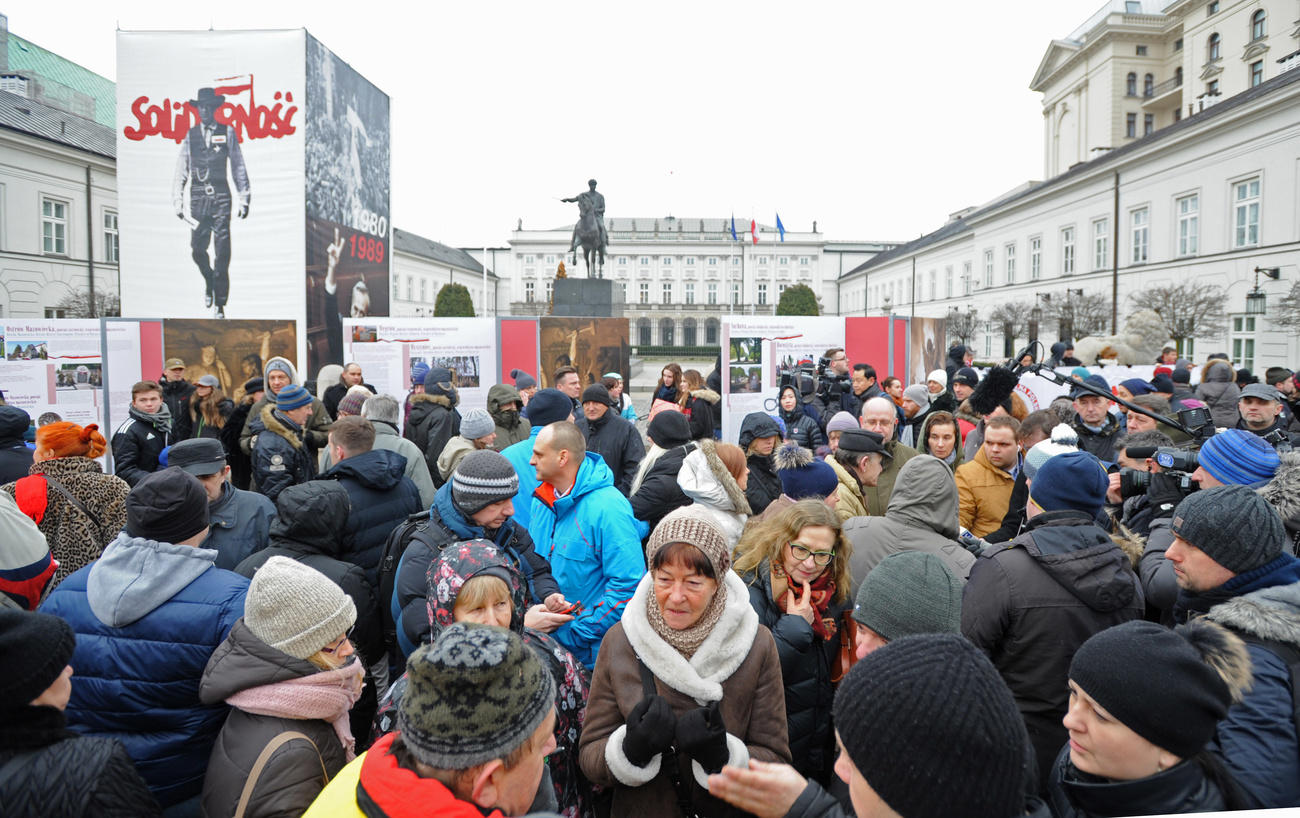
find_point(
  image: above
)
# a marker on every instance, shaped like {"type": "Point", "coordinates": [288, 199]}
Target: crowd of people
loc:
{"type": "Point", "coordinates": [881, 598]}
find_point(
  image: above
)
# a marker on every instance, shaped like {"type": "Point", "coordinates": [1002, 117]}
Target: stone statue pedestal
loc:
{"type": "Point", "coordinates": [588, 297]}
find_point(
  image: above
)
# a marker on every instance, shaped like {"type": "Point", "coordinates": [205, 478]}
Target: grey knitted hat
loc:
{"type": "Point", "coordinates": [474, 695]}
{"type": "Point", "coordinates": [477, 423]}
{"type": "Point", "coordinates": [909, 593]}
{"type": "Point", "coordinates": [1233, 525]}
{"type": "Point", "coordinates": [296, 609]}
{"type": "Point", "coordinates": [483, 477]}
{"type": "Point", "coordinates": [918, 394]}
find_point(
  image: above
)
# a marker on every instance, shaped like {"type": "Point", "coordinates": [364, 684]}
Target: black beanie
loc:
{"type": "Point", "coordinates": [548, 406]}
{"type": "Point", "coordinates": [669, 429]}
{"type": "Point", "coordinates": [1155, 683]}
{"type": "Point", "coordinates": [597, 393]}
{"type": "Point", "coordinates": [34, 649]}
{"type": "Point", "coordinates": [168, 506]}
{"type": "Point", "coordinates": [932, 727]}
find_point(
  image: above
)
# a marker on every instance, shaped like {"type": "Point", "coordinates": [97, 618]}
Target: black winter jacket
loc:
{"type": "Point", "coordinates": [293, 776]}
{"type": "Point", "coordinates": [433, 421]}
{"type": "Point", "coordinates": [1100, 445]}
{"type": "Point", "coordinates": [802, 429]}
{"type": "Point", "coordinates": [176, 394]}
{"type": "Point", "coordinates": [382, 498]}
{"type": "Point", "coordinates": [15, 457]}
{"type": "Point", "coordinates": [1030, 604]}
{"type": "Point", "coordinates": [764, 486]}
{"type": "Point", "coordinates": [618, 443]}
{"type": "Point", "coordinates": [335, 394]}
{"type": "Point", "coordinates": [136, 447]}
{"type": "Point", "coordinates": [806, 662]}
{"type": "Point", "coordinates": [703, 407]}
{"type": "Point", "coordinates": [309, 527]}
{"type": "Point", "coordinates": [241, 465]}
{"type": "Point", "coordinates": [188, 427]}
{"type": "Point", "coordinates": [1181, 789]}
{"type": "Point", "coordinates": [659, 492]}
{"type": "Point", "coordinates": [280, 456]}
{"type": "Point", "coordinates": [48, 771]}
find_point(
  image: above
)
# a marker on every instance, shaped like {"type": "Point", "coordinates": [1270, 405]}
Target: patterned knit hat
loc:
{"type": "Point", "coordinates": [35, 648]}
{"type": "Point", "coordinates": [1233, 525]}
{"type": "Point", "coordinates": [418, 370]}
{"type": "Point", "coordinates": [691, 524]}
{"type": "Point", "coordinates": [1064, 439]}
{"type": "Point", "coordinates": [926, 752]}
{"type": "Point", "coordinates": [296, 609]}
{"type": "Point", "coordinates": [1236, 456]}
{"type": "Point", "coordinates": [483, 477]}
{"type": "Point", "coordinates": [477, 423]}
{"type": "Point", "coordinates": [353, 400]}
{"type": "Point", "coordinates": [476, 694]}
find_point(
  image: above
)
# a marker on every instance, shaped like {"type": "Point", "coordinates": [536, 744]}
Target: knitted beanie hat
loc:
{"type": "Point", "coordinates": [927, 752]}
{"type": "Point", "coordinates": [35, 648]}
{"type": "Point", "coordinates": [296, 609]}
{"type": "Point", "coordinates": [938, 376]}
{"type": "Point", "coordinates": [1162, 383]}
{"type": "Point", "coordinates": [1238, 456]}
{"type": "Point", "coordinates": [353, 400]}
{"type": "Point", "coordinates": [14, 422]}
{"type": "Point", "coordinates": [437, 377]}
{"type": "Point", "coordinates": [418, 370]}
{"type": "Point", "coordinates": [292, 397]}
{"type": "Point", "coordinates": [1137, 386]}
{"type": "Point", "coordinates": [1181, 374]}
{"type": "Point", "coordinates": [909, 593]}
{"type": "Point", "coordinates": [841, 422]}
{"type": "Point", "coordinates": [548, 406]}
{"type": "Point", "coordinates": [483, 477]}
{"type": "Point", "coordinates": [522, 379]}
{"type": "Point", "coordinates": [168, 506]}
{"type": "Point", "coordinates": [966, 376]}
{"type": "Point", "coordinates": [476, 694]}
{"type": "Point", "coordinates": [802, 475]}
{"type": "Point", "coordinates": [599, 394]}
{"type": "Point", "coordinates": [278, 365]}
{"type": "Point", "coordinates": [692, 524]}
{"type": "Point", "coordinates": [1155, 682]}
{"type": "Point", "coordinates": [1074, 480]}
{"type": "Point", "coordinates": [918, 394]}
{"type": "Point", "coordinates": [1064, 439]}
{"type": "Point", "coordinates": [477, 423]}
{"type": "Point", "coordinates": [669, 429]}
{"type": "Point", "coordinates": [1233, 525]}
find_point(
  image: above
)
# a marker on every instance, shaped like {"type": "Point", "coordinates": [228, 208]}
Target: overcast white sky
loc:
{"type": "Point", "coordinates": [874, 119]}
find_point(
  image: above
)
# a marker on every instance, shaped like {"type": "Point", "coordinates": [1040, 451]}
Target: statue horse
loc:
{"type": "Point", "coordinates": [588, 235]}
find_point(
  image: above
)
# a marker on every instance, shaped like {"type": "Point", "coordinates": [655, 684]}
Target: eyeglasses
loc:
{"type": "Point", "coordinates": [802, 553]}
{"type": "Point", "coordinates": [337, 644]}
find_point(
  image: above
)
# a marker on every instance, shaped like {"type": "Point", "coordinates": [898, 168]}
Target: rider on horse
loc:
{"type": "Point", "coordinates": [589, 201]}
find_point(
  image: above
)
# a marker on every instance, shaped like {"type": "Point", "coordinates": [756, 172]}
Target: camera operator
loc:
{"type": "Point", "coordinates": [1233, 456]}
{"type": "Point", "coordinates": [835, 387]}
{"type": "Point", "coordinates": [1260, 407]}
{"type": "Point", "coordinates": [1127, 495]}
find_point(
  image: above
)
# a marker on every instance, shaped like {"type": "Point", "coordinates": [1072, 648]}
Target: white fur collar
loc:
{"type": "Point", "coordinates": [721, 653]}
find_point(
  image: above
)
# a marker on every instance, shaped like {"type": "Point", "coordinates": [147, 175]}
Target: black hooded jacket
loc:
{"type": "Point", "coordinates": [382, 498]}
{"type": "Point", "coordinates": [433, 421]}
{"type": "Point", "coordinates": [764, 486]}
{"type": "Point", "coordinates": [659, 493]}
{"type": "Point", "coordinates": [15, 457]}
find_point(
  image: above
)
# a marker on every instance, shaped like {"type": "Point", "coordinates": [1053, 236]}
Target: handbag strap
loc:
{"type": "Point", "coordinates": [77, 504]}
{"type": "Point", "coordinates": [669, 761]}
{"type": "Point", "coordinates": [264, 757]}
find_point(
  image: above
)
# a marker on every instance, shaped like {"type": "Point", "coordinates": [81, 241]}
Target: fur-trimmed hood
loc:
{"type": "Point", "coordinates": [964, 412]}
{"type": "Point", "coordinates": [1283, 493]}
{"type": "Point", "coordinates": [705, 479]}
{"type": "Point", "coordinates": [276, 423]}
{"type": "Point", "coordinates": [439, 400]}
{"type": "Point", "coordinates": [706, 394]}
{"type": "Point", "coordinates": [1271, 614]}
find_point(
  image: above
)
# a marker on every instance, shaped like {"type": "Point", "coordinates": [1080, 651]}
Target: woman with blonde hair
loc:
{"type": "Point", "coordinates": [699, 403]}
{"type": "Point", "coordinates": [796, 565]}
{"type": "Point", "coordinates": [290, 674]}
{"type": "Point", "coordinates": [78, 508]}
{"type": "Point", "coordinates": [206, 412]}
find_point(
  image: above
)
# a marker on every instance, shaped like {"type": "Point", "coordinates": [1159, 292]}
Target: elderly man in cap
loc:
{"type": "Point", "coordinates": [1232, 457]}
{"type": "Point", "coordinates": [148, 614]}
{"type": "Point", "coordinates": [1230, 560]}
{"type": "Point", "coordinates": [878, 416]}
{"type": "Point", "coordinates": [279, 450]}
{"type": "Point", "coordinates": [858, 461]}
{"type": "Point", "coordinates": [616, 440]}
{"type": "Point", "coordinates": [1096, 427]}
{"type": "Point", "coordinates": [1030, 603]}
{"type": "Point", "coordinates": [1264, 413]}
{"type": "Point", "coordinates": [240, 520]}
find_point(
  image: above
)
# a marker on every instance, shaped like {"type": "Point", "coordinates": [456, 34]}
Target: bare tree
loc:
{"type": "Point", "coordinates": [1188, 310]}
{"type": "Point", "coordinates": [962, 325]}
{"type": "Point", "coordinates": [1014, 319]}
{"type": "Point", "coordinates": [1078, 315]}
{"type": "Point", "coordinates": [1287, 314]}
{"type": "Point", "coordinates": [76, 304]}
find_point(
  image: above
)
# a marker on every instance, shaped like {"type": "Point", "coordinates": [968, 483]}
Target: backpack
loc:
{"type": "Point", "coordinates": [414, 527]}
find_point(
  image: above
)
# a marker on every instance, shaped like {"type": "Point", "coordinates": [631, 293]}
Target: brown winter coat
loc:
{"type": "Point", "coordinates": [753, 710]}
{"type": "Point", "coordinates": [984, 494]}
{"type": "Point", "coordinates": [75, 540]}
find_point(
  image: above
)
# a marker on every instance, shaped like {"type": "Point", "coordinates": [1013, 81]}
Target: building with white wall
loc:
{"type": "Point", "coordinates": [422, 266]}
{"type": "Point", "coordinates": [1204, 200]}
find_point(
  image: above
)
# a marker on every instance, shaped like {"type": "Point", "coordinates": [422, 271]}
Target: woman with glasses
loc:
{"type": "Point", "coordinates": [796, 565]}
{"type": "Point", "coordinates": [290, 675]}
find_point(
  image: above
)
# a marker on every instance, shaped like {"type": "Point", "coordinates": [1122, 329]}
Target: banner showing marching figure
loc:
{"type": "Point", "coordinates": [210, 173]}
{"type": "Point", "coordinates": [348, 247]}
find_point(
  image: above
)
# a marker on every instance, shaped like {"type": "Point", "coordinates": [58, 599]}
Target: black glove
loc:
{"type": "Point", "coordinates": [1163, 495]}
{"type": "Point", "coordinates": [650, 729]}
{"type": "Point", "coordinates": [702, 736]}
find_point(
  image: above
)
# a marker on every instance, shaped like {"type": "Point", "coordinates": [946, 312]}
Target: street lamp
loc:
{"type": "Point", "coordinates": [1256, 301]}
{"type": "Point", "coordinates": [887, 304]}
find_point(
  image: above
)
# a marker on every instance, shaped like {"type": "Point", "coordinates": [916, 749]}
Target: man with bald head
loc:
{"type": "Point", "coordinates": [585, 529]}
{"type": "Point", "coordinates": [878, 416]}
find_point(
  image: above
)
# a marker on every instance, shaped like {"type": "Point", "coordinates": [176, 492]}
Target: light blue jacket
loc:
{"type": "Point", "coordinates": [519, 454]}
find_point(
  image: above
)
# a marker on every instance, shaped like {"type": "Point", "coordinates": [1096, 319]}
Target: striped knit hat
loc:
{"type": "Point", "coordinates": [483, 477]}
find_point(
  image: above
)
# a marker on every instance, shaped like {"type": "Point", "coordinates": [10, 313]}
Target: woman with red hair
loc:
{"type": "Point", "coordinates": [76, 506]}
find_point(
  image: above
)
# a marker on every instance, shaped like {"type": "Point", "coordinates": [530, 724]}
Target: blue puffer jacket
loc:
{"type": "Point", "coordinates": [382, 498]}
{"type": "Point", "coordinates": [148, 615]}
{"type": "Point", "coordinates": [592, 542]}
{"type": "Point", "coordinates": [519, 454]}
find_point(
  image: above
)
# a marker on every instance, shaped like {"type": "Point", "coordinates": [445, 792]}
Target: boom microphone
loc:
{"type": "Point", "coordinates": [993, 390]}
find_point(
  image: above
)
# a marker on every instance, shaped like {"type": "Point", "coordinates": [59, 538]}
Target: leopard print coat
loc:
{"type": "Point", "coordinates": [73, 538]}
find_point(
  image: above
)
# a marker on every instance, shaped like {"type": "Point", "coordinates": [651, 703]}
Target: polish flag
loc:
{"type": "Point", "coordinates": [753, 230]}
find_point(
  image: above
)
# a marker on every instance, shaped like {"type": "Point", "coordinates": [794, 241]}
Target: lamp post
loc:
{"type": "Point", "coordinates": [1256, 301]}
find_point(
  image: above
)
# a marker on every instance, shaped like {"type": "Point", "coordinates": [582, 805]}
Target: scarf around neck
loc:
{"type": "Point", "coordinates": [160, 420]}
{"type": "Point", "coordinates": [327, 695]}
{"type": "Point", "coordinates": [687, 641]}
{"type": "Point", "coordinates": [822, 590]}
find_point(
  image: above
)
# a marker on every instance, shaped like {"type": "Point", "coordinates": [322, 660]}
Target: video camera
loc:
{"type": "Point", "coordinates": [1177, 463]}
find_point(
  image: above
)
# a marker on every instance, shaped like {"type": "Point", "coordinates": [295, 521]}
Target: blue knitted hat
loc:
{"type": "Point", "coordinates": [291, 397]}
{"type": "Point", "coordinates": [1236, 456]}
{"type": "Point", "coordinates": [1073, 480]}
{"type": "Point", "coordinates": [802, 475]}
{"type": "Point", "coordinates": [418, 370]}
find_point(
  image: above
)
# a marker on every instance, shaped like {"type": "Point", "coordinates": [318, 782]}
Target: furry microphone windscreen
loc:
{"type": "Point", "coordinates": [993, 390]}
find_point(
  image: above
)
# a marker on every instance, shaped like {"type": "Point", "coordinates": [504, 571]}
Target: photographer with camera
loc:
{"type": "Point", "coordinates": [1231, 457]}
{"type": "Point", "coordinates": [1127, 495]}
{"type": "Point", "coordinates": [1260, 407]}
{"type": "Point", "coordinates": [835, 387]}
